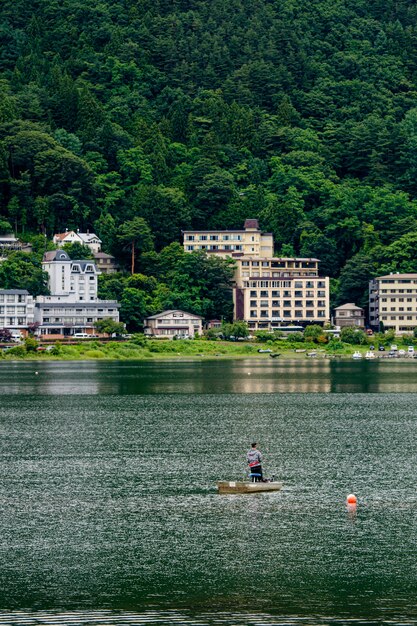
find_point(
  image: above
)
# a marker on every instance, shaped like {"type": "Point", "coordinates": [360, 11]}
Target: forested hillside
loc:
{"type": "Point", "coordinates": [302, 113]}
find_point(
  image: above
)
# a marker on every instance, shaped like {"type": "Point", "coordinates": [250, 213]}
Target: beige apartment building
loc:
{"type": "Point", "coordinates": [393, 301]}
{"type": "Point", "coordinates": [270, 292]}
{"type": "Point", "coordinates": [249, 241]}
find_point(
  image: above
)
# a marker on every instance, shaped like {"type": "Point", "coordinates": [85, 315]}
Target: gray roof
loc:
{"type": "Point", "coordinates": [102, 255]}
{"type": "Point", "coordinates": [20, 292]}
{"type": "Point", "coordinates": [55, 255]}
{"type": "Point", "coordinates": [165, 313]}
{"type": "Point", "coordinates": [349, 306]}
{"type": "Point", "coordinates": [78, 305]}
{"type": "Point", "coordinates": [83, 262]}
{"type": "Point", "coordinates": [397, 276]}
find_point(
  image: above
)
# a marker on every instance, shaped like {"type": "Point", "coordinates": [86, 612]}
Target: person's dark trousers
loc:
{"type": "Point", "coordinates": [257, 469]}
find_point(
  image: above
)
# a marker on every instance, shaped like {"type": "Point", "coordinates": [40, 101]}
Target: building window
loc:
{"type": "Point", "coordinates": [287, 303]}
{"type": "Point", "coordinates": [264, 313]}
{"type": "Point", "coordinates": [253, 303]}
{"type": "Point", "coordinates": [253, 314]}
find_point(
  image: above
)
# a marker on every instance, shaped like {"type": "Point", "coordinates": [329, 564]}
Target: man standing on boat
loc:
{"type": "Point", "coordinates": [254, 461]}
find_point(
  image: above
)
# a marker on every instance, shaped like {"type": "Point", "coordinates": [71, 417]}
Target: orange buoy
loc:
{"type": "Point", "coordinates": [351, 499]}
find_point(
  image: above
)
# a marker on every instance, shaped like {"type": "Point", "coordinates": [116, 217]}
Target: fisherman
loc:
{"type": "Point", "coordinates": [254, 461]}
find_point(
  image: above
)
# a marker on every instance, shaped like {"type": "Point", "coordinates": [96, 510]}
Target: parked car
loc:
{"type": "Point", "coordinates": [410, 350]}
{"type": "Point", "coordinates": [394, 347]}
{"type": "Point", "coordinates": [372, 347]}
{"type": "Point", "coordinates": [266, 350]}
{"type": "Point", "coordinates": [381, 349]}
{"type": "Point", "coordinates": [401, 352]}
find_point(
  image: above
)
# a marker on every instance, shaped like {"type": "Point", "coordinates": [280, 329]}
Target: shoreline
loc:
{"type": "Point", "coordinates": [155, 357]}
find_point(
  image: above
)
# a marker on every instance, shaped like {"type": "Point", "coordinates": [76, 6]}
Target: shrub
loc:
{"type": "Point", "coordinates": [19, 351]}
{"type": "Point", "coordinates": [94, 354]}
{"type": "Point", "coordinates": [31, 344]}
{"type": "Point", "coordinates": [313, 332]}
{"type": "Point", "coordinates": [353, 336]}
{"type": "Point", "coordinates": [295, 338]}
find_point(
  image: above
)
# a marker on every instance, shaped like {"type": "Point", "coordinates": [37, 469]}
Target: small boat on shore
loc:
{"type": "Point", "coordinates": [234, 486]}
{"type": "Point", "coordinates": [357, 355]}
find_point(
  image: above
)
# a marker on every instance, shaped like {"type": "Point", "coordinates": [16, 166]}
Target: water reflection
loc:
{"type": "Point", "coordinates": [248, 376]}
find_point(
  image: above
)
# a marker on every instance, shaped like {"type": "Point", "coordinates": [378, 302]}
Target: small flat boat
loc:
{"type": "Point", "coordinates": [357, 355]}
{"type": "Point", "coordinates": [234, 486]}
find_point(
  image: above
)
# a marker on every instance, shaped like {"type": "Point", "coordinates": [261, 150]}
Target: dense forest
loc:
{"type": "Point", "coordinates": [187, 114]}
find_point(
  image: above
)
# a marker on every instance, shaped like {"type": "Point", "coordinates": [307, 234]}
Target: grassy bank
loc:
{"type": "Point", "coordinates": [140, 349]}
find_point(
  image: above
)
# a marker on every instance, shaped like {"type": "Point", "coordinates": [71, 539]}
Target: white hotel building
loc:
{"type": "Point", "coordinates": [73, 306]}
{"type": "Point", "coordinates": [16, 309]}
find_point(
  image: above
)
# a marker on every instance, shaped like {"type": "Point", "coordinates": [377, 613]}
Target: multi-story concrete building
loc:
{"type": "Point", "coordinates": [349, 315]}
{"type": "Point", "coordinates": [173, 324]}
{"type": "Point", "coordinates": [74, 279]}
{"type": "Point", "coordinates": [248, 241]}
{"type": "Point", "coordinates": [269, 291]}
{"type": "Point", "coordinates": [16, 309]}
{"type": "Point", "coordinates": [393, 301]}
{"type": "Point", "coordinates": [60, 318]}
{"type": "Point", "coordinates": [270, 302]}
{"type": "Point", "coordinates": [73, 306]}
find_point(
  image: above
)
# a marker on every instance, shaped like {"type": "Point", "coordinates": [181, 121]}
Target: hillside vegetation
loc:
{"type": "Point", "coordinates": [188, 114]}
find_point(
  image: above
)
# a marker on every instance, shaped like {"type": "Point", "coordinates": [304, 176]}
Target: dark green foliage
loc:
{"type": "Point", "coordinates": [196, 283]}
{"type": "Point", "coordinates": [195, 115]}
{"type": "Point", "coordinates": [23, 271]}
{"type": "Point", "coordinates": [77, 251]}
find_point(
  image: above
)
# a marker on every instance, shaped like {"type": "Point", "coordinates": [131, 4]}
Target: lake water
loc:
{"type": "Point", "coordinates": [109, 513]}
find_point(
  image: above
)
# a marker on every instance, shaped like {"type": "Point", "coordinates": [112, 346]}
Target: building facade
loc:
{"type": "Point", "coordinates": [61, 318]}
{"type": "Point", "coordinates": [106, 263]}
{"type": "Point", "coordinates": [349, 315]}
{"type": "Point", "coordinates": [85, 239]}
{"type": "Point", "coordinates": [72, 306]}
{"type": "Point", "coordinates": [269, 291]}
{"type": "Point", "coordinates": [16, 310]}
{"type": "Point", "coordinates": [393, 301]}
{"type": "Point", "coordinates": [248, 241]}
{"type": "Point", "coordinates": [173, 323]}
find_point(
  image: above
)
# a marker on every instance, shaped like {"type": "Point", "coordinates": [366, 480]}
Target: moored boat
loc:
{"type": "Point", "coordinates": [234, 486]}
{"type": "Point", "coordinates": [357, 355]}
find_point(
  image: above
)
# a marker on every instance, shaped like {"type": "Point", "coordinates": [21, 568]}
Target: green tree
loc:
{"type": "Point", "coordinates": [23, 271]}
{"type": "Point", "coordinates": [137, 235]}
{"type": "Point", "coordinates": [109, 327]}
{"type": "Point", "coordinates": [78, 251]}
{"type": "Point", "coordinates": [313, 332]}
{"type": "Point", "coordinates": [133, 308]}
